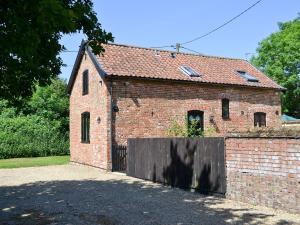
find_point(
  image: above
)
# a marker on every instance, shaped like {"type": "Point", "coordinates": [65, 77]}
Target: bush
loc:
{"type": "Point", "coordinates": [177, 129]}
{"type": "Point", "coordinates": [31, 136]}
{"type": "Point", "coordinates": [5, 110]}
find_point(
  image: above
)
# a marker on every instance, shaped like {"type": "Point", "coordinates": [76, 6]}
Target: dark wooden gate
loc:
{"type": "Point", "coordinates": [197, 163]}
{"type": "Point", "coordinates": [119, 158]}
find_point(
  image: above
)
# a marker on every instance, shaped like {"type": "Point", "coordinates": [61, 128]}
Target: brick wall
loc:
{"type": "Point", "coordinates": [96, 102]}
{"type": "Point", "coordinates": [146, 108]}
{"type": "Point", "coordinates": [264, 171]}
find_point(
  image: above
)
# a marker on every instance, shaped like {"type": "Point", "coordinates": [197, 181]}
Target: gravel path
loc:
{"type": "Point", "coordinates": [72, 194]}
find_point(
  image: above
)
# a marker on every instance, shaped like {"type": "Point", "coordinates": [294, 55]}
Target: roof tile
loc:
{"type": "Point", "coordinates": [124, 60]}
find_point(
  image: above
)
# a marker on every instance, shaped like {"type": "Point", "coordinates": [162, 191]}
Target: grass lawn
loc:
{"type": "Point", "coordinates": [36, 161]}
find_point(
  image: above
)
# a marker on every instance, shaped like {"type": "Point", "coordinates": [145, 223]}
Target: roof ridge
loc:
{"type": "Point", "coordinates": [183, 53]}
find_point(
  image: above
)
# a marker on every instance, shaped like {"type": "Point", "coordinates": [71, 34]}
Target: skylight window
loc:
{"type": "Point", "coordinates": [247, 76]}
{"type": "Point", "coordinates": [189, 71]}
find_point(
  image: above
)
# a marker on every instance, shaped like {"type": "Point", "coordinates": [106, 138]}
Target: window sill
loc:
{"type": "Point", "coordinates": [226, 118]}
{"type": "Point", "coordinates": [85, 142]}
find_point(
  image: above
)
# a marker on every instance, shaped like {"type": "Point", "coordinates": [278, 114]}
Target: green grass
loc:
{"type": "Point", "coordinates": [36, 161]}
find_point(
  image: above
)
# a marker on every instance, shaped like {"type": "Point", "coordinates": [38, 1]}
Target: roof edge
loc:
{"type": "Point", "coordinates": [76, 66]}
{"type": "Point", "coordinates": [96, 62]}
{"type": "Point", "coordinates": [112, 76]}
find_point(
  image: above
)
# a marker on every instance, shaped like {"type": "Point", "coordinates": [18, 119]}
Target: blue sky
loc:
{"type": "Point", "coordinates": [158, 23]}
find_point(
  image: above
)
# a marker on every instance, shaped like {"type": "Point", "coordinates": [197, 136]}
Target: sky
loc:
{"type": "Point", "coordinates": [166, 22]}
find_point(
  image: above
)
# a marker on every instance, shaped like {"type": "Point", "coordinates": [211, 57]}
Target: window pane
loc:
{"type": "Point", "coordinates": [247, 76]}
{"type": "Point", "coordinates": [260, 119]}
{"type": "Point", "coordinates": [82, 127]}
{"type": "Point", "coordinates": [85, 127]}
{"type": "Point", "coordinates": [197, 116]}
{"type": "Point", "coordinates": [263, 120]}
{"type": "Point", "coordinates": [88, 127]}
{"type": "Point", "coordinates": [85, 82]}
{"type": "Point", "coordinates": [189, 71]}
{"type": "Point", "coordinates": [225, 108]}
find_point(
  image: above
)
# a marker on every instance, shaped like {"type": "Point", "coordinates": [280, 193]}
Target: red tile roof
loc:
{"type": "Point", "coordinates": [124, 60]}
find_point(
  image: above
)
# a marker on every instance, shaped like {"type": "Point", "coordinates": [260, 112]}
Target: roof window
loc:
{"type": "Point", "coordinates": [189, 71]}
{"type": "Point", "coordinates": [247, 76]}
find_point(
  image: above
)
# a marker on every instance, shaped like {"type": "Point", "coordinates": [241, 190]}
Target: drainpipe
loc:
{"type": "Point", "coordinates": [111, 121]}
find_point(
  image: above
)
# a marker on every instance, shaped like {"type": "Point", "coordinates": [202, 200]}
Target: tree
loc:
{"type": "Point", "coordinates": [51, 102]}
{"type": "Point", "coordinates": [279, 57]}
{"type": "Point", "coordinates": [30, 31]}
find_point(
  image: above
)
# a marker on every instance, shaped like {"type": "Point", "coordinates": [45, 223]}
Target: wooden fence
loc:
{"type": "Point", "coordinates": [181, 162]}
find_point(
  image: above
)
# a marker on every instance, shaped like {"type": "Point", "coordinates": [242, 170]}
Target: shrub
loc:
{"type": "Point", "coordinates": [210, 132]}
{"type": "Point", "coordinates": [31, 136]}
{"type": "Point", "coordinates": [177, 129]}
{"type": "Point", "coordinates": [5, 110]}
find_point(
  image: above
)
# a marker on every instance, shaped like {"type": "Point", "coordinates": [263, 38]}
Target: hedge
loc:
{"type": "Point", "coordinates": [31, 136]}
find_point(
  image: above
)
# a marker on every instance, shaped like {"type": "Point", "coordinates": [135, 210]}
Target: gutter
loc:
{"type": "Point", "coordinates": [194, 82]}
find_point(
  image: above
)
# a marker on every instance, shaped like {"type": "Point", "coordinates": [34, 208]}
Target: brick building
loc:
{"type": "Point", "coordinates": [137, 92]}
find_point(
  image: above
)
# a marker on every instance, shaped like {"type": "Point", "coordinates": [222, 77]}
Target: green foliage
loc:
{"type": "Point", "coordinates": [30, 31]}
{"type": "Point", "coordinates": [44, 131]}
{"type": "Point", "coordinates": [30, 136]}
{"type": "Point", "coordinates": [5, 110]}
{"type": "Point", "coordinates": [178, 129]}
{"type": "Point", "coordinates": [210, 132]}
{"type": "Point", "coordinates": [279, 57]}
{"type": "Point", "coordinates": [51, 102]}
{"type": "Point", "coordinates": [193, 130]}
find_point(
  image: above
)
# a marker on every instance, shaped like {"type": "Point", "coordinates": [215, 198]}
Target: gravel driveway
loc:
{"type": "Point", "coordinates": [72, 194]}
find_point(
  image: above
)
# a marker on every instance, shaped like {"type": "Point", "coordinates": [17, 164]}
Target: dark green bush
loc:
{"type": "Point", "coordinates": [31, 136]}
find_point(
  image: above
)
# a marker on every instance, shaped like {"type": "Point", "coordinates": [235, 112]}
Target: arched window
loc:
{"type": "Point", "coordinates": [196, 117]}
{"type": "Point", "coordinates": [85, 82]}
{"type": "Point", "coordinates": [85, 127]}
{"type": "Point", "coordinates": [225, 108]}
{"type": "Point", "coordinates": [260, 119]}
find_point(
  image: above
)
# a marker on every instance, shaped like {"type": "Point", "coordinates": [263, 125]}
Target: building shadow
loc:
{"type": "Point", "coordinates": [179, 173]}
{"type": "Point", "coordinates": [184, 171]}
{"type": "Point", "coordinates": [116, 201]}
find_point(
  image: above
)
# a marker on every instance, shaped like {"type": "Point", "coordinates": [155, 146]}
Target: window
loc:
{"type": "Point", "coordinates": [85, 82]}
{"type": "Point", "coordinates": [259, 119]}
{"type": "Point", "coordinates": [247, 76]}
{"type": "Point", "coordinates": [197, 116]}
{"type": "Point", "coordinates": [85, 127]}
{"type": "Point", "coordinates": [225, 108]}
{"type": "Point", "coordinates": [189, 71]}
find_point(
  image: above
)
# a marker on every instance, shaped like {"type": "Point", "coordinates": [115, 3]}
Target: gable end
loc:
{"type": "Point", "coordinates": [83, 47]}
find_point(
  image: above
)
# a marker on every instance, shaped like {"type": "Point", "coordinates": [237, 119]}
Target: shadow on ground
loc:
{"type": "Point", "coordinates": [116, 201]}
